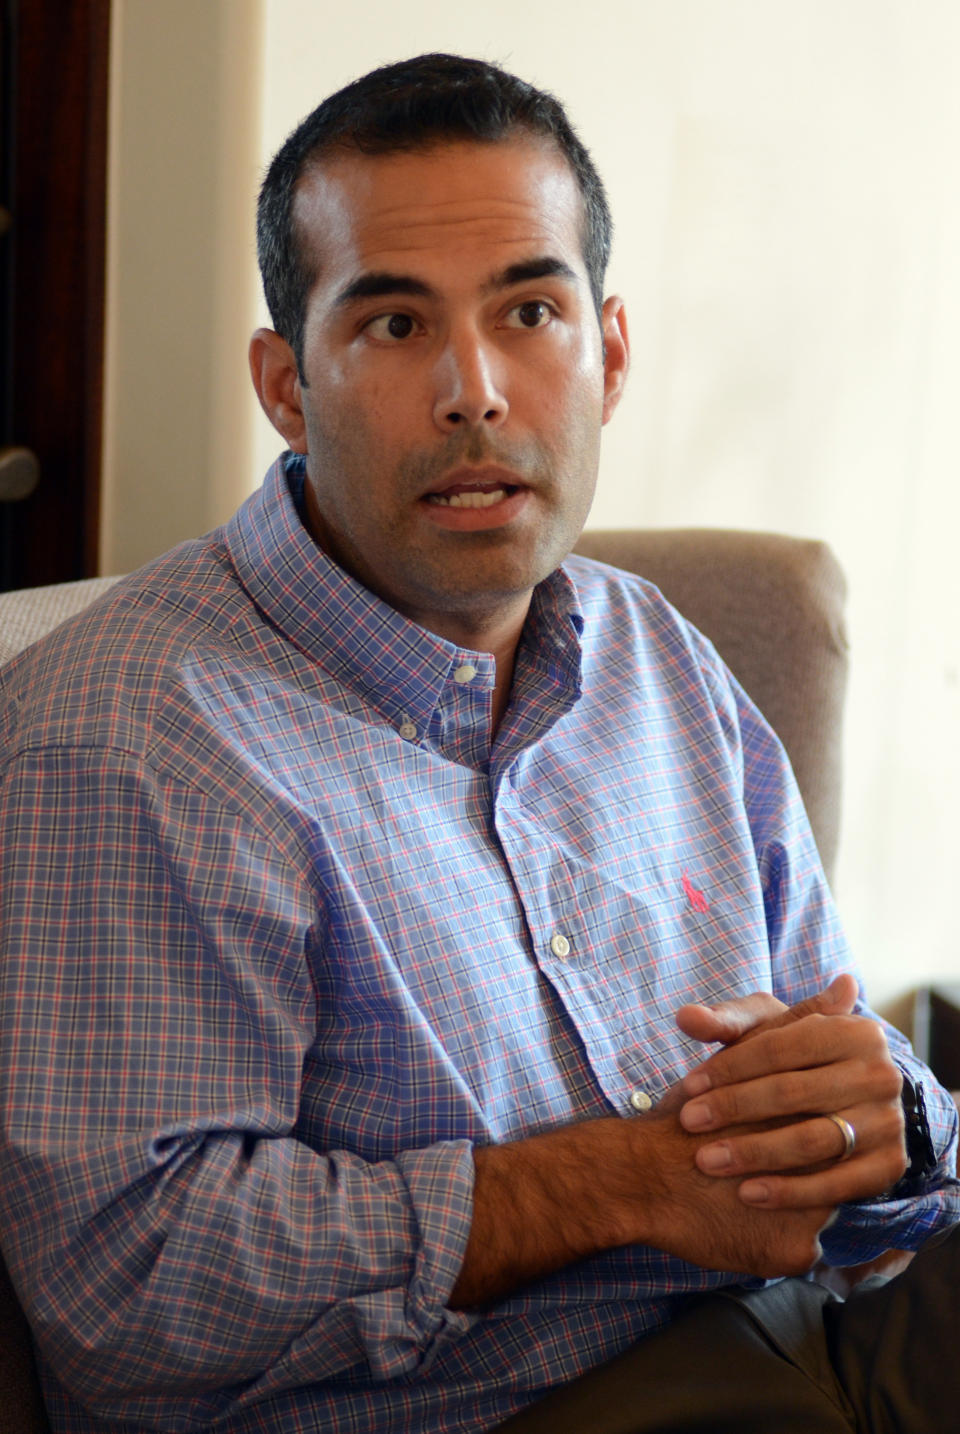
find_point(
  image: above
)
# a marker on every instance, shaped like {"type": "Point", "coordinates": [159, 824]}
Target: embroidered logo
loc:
{"type": "Point", "coordinates": [696, 898]}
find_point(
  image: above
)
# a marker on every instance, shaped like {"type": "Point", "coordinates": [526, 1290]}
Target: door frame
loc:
{"type": "Point", "coordinates": [56, 109]}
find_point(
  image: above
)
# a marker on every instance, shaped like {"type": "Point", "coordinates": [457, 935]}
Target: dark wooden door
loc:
{"type": "Point", "coordinates": [53, 116]}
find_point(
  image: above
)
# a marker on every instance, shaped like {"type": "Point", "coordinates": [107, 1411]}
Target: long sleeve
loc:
{"type": "Point", "coordinates": [169, 1232]}
{"type": "Point", "coordinates": [284, 937]}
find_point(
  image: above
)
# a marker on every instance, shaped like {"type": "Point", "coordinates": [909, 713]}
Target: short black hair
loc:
{"type": "Point", "coordinates": [407, 106]}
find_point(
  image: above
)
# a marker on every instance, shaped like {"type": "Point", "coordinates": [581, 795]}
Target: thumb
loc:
{"type": "Point", "coordinates": [744, 1016]}
{"type": "Point", "coordinates": [728, 1021]}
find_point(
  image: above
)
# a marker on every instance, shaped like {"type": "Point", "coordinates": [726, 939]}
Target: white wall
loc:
{"type": "Point", "coordinates": [784, 178]}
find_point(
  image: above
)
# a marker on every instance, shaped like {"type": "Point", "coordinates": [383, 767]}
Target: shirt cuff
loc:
{"type": "Point", "coordinates": [866, 1228]}
{"type": "Point", "coordinates": [408, 1331]}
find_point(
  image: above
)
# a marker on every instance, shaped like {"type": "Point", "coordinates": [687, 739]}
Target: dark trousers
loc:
{"type": "Point", "coordinates": [790, 1359]}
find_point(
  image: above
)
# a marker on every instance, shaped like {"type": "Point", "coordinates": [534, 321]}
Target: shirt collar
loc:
{"type": "Point", "coordinates": [400, 668]}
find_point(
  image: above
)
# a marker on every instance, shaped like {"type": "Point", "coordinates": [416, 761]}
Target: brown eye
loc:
{"type": "Point", "coordinates": [400, 326]}
{"type": "Point", "coordinates": [533, 314]}
{"type": "Point", "coordinates": [391, 326]}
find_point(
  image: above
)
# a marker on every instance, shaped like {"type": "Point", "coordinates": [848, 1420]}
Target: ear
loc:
{"type": "Point", "coordinates": [616, 356]}
{"type": "Point", "coordinates": [273, 369]}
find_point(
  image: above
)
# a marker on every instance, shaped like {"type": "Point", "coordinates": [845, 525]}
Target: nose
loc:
{"type": "Point", "coordinates": [469, 389]}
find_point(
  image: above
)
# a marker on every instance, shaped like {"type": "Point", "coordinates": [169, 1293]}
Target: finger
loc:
{"type": "Point", "coordinates": [868, 1076]}
{"type": "Point", "coordinates": [860, 1179]}
{"type": "Point", "coordinates": [839, 998]}
{"type": "Point", "coordinates": [816, 1040]}
{"type": "Point", "coordinates": [746, 1017]}
{"type": "Point", "coordinates": [812, 1144]}
{"type": "Point", "coordinates": [728, 1020]}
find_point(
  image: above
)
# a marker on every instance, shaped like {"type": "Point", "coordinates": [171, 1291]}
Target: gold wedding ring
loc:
{"type": "Point", "coordinates": [848, 1133]}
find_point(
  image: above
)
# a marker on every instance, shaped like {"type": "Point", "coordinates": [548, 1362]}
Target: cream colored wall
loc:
{"type": "Point", "coordinates": [185, 112]}
{"type": "Point", "coordinates": [783, 175]}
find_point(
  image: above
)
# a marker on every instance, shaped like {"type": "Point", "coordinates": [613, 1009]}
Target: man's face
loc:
{"type": "Point", "coordinates": [455, 377]}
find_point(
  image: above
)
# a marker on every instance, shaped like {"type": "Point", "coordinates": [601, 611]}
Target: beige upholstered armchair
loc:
{"type": "Point", "coordinates": [772, 605]}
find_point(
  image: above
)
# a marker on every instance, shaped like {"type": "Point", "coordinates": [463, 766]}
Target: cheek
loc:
{"type": "Point", "coordinates": [379, 407]}
{"type": "Point", "coordinates": [573, 389]}
{"type": "Point", "coordinates": [571, 410]}
{"type": "Point", "coordinates": [347, 421]}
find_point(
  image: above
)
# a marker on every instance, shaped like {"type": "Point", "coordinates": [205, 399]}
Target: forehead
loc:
{"type": "Point", "coordinates": [462, 200]}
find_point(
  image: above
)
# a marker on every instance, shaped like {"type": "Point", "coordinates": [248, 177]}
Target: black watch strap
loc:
{"type": "Point", "coordinates": [921, 1155]}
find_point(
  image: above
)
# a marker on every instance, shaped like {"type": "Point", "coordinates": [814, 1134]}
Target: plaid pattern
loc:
{"type": "Point", "coordinates": [284, 936]}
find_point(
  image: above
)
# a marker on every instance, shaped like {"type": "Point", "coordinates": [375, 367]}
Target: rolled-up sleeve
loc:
{"type": "Point", "coordinates": [178, 1247]}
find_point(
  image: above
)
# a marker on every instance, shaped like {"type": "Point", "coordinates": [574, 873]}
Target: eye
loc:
{"type": "Point", "coordinates": [531, 314]}
{"type": "Point", "coordinates": [387, 327]}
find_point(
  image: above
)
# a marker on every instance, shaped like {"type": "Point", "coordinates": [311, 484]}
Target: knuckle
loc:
{"type": "Point", "coordinates": [876, 1076]}
{"type": "Point", "coordinates": [864, 1035]}
{"type": "Point", "coordinates": [858, 1025]}
{"type": "Point", "coordinates": [727, 1105]}
{"type": "Point", "coordinates": [792, 1090]}
{"type": "Point", "coordinates": [817, 1024]}
{"type": "Point", "coordinates": [742, 1157]}
{"type": "Point", "coordinates": [897, 1169]}
{"type": "Point", "coordinates": [895, 1162]}
{"type": "Point", "coordinates": [810, 1139]}
{"type": "Point", "coordinates": [892, 1126]}
{"type": "Point", "coordinates": [885, 1077]}
{"type": "Point", "coordinates": [877, 1043]}
{"type": "Point", "coordinates": [803, 1254]}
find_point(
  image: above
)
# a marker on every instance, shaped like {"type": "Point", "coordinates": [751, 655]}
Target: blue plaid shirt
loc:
{"type": "Point", "coordinates": [284, 936]}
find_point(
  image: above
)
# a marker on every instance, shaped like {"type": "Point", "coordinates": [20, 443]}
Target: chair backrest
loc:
{"type": "Point", "coordinates": [29, 613]}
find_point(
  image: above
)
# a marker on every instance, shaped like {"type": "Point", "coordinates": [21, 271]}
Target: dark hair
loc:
{"type": "Point", "coordinates": [406, 106]}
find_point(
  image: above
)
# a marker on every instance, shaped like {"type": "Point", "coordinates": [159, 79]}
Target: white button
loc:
{"type": "Point", "coordinates": [560, 946]}
{"type": "Point", "coordinates": [640, 1101]}
{"type": "Point", "coordinates": [466, 673]}
{"type": "Point", "coordinates": [408, 730]}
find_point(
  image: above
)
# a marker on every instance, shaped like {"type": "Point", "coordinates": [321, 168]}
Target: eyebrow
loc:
{"type": "Point", "coordinates": [381, 283]}
{"type": "Point", "coordinates": [545, 267]}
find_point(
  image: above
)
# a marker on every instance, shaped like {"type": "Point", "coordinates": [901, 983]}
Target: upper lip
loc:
{"type": "Point", "coordinates": [476, 476]}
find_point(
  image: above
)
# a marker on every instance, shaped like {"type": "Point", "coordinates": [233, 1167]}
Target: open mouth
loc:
{"type": "Point", "coordinates": [471, 497]}
{"type": "Point", "coordinates": [474, 499]}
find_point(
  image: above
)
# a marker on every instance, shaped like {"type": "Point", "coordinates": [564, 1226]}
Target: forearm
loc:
{"type": "Point", "coordinates": [542, 1203]}
{"type": "Point", "coordinates": [555, 1198]}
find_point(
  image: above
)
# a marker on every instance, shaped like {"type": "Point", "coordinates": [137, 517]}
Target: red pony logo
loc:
{"type": "Point", "coordinates": [696, 898]}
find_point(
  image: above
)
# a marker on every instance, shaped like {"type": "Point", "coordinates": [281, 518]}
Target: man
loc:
{"type": "Point", "coordinates": [372, 882]}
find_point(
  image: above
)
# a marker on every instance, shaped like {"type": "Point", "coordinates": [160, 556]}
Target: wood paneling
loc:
{"type": "Point", "coordinates": [60, 63]}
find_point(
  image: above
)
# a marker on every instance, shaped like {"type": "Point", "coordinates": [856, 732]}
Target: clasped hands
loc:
{"type": "Point", "coordinates": [737, 1168]}
{"type": "Point", "coordinates": [794, 1068]}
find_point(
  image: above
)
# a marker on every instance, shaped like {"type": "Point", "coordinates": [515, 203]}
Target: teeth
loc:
{"type": "Point", "coordinates": [469, 500]}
